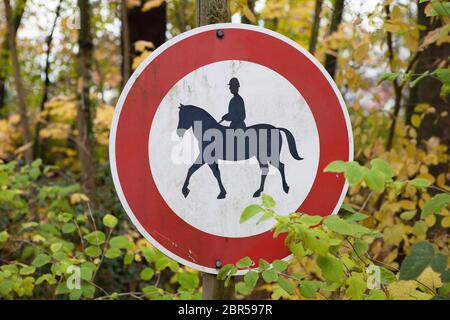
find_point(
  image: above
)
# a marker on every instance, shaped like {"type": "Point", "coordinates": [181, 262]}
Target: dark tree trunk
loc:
{"type": "Point", "coordinates": [144, 25]}
{"type": "Point", "coordinates": [125, 43]}
{"type": "Point", "coordinates": [336, 18]}
{"type": "Point", "coordinates": [428, 89]}
{"type": "Point", "coordinates": [84, 105]}
{"type": "Point", "coordinates": [37, 147]}
{"type": "Point", "coordinates": [21, 95]}
{"type": "Point", "coordinates": [4, 50]}
{"type": "Point", "coordinates": [315, 27]}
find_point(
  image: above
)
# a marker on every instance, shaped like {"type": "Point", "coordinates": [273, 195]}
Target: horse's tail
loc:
{"type": "Point", "coordinates": [291, 144]}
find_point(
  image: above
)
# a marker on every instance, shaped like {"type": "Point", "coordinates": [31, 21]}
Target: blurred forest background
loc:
{"type": "Point", "coordinates": [63, 64]}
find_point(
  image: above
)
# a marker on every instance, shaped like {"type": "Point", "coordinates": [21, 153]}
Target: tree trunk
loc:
{"type": "Point", "coordinates": [208, 12]}
{"type": "Point", "coordinates": [146, 25]}
{"type": "Point", "coordinates": [126, 43]}
{"type": "Point", "coordinates": [21, 95]}
{"type": "Point", "coordinates": [212, 11]}
{"type": "Point", "coordinates": [428, 89]}
{"type": "Point", "coordinates": [336, 18]}
{"type": "Point", "coordinates": [4, 50]}
{"type": "Point", "coordinates": [84, 104]}
{"type": "Point", "coordinates": [37, 141]}
{"type": "Point", "coordinates": [315, 27]}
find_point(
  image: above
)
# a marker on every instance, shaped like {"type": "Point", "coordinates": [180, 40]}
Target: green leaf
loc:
{"type": "Point", "coordinates": [332, 268]}
{"type": "Point", "coordinates": [224, 271]}
{"type": "Point", "coordinates": [419, 258]}
{"type": "Point", "coordinates": [243, 288]}
{"type": "Point", "coordinates": [439, 262]}
{"type": "Point", "coordinates": [268, 201]}
{"type": "Point", "coordinates": [95, 238]}
{"type": "Point", "coordinates": [338, 225]}
{"type": "Point", "coordinates": [244, 263]}
{"type": "Point", "coordinates": [309, 221]}
{"type": "Point", "coordinates": [68, 227]}
{"type": "Point", "coordinates": [4, 236]}
{"type": "Point", "coordinates": [280, 265]}
{"type": "Point", "coordinates": [110, 221]}
{"type": "Point", "coordinates": [188, 280]}
{"type": "Point", "coordinates": [268, 214]}
{"type": "Point", "coordinates": [113, 253]}
{"type": "Point", "coordinates": [270, 275]}
{"type": "Point", "coordinates": [375, 180]}
{"type": "Point", "coordinates": [445, 276]}
{"type": "Point", "coordinates": [250, 279]}
{"type": "Point", "coordinates": [413, 83]}
{"type": "Point", "coordinates": [376, 294]}
{"type": "Point", "coordinates": [435, 204]}
{"type": "Point", "coordinates": [361, 246]}
{"type": "Point", "coordinates": [383, 167]}
{"type": "Point", "coordinates": [356, 288]}
{"type": "Point", "coordinates": [120, 242]}
{"type": "Point", "coordinates": [263, 265]}
{"type": "Point", "coordinates": [337, 166]}
{"type": "Point", "coordinates": [317, 241]}
{"type": "Point", "coordinates": [34, 173]}
{"type": "Point", "coordinates": [388, 76]}
{"type": "Point", "coordinates": [308, 289]}
{"type": "Point", "coordinates": [87, 271]}
{"type": "Point", "coordinates": [387, 276]}
{"type": "Point", "coordinates": [354, 173]}
{"type": "Point", "coordinates": [439, 8]}
{"type": "Point", "coordinates": [41, 260]}
{"type": "Point", "coordinates": [146, 274]}
{"type": "Point", "coordinates": [88, 290]}
{"type": "Point", "coordinates": [27, 270]}
{"type": "Point", "coordinates": [250, 211]}
{"type": "Point", "coordinates": [286, 285]}
{"type": "Point", "coordinates": [420, 183]}
{"type": "Point", "coordinates": [93, 251]}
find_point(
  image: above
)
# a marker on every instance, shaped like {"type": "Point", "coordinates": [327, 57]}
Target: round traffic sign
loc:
{"type": "Point", "coordinates": [211, 120]}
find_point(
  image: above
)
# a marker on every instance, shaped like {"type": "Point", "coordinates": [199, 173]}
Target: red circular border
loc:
{"type": "Point", "coordinates": [142, 101]}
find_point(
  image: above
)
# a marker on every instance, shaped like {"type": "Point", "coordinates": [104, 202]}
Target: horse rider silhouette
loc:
{"type": "Point", "coordinates": [236, 107]}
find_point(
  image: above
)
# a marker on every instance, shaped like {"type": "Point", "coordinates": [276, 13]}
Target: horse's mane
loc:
{"type": "Point", "coordinates": [202, 113]}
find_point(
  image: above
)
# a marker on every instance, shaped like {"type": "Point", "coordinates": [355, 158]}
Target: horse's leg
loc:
{"type": "Point", "coordinates": [216, 172]}
{"type": "Point", "coordinates": [283, 176]}
{"type": "Point", "coordinates": [264, 171]}
{"type": "Point", "coordinates": [197, 164]}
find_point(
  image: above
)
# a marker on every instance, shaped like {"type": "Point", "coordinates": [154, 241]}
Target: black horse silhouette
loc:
{"type": "Point", "coordinates": [236, 146]}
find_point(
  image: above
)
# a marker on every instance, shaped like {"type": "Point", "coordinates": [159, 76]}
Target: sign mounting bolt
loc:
{"type": "Point", "coordinates": [220, 33]}
{"type": "Point", "coordinates": [218, 264]}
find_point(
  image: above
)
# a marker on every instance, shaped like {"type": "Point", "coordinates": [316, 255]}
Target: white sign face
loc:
{"type": "Point", "coordinates": [268, 99]}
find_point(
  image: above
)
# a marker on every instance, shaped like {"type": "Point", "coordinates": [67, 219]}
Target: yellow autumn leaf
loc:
{"type": "Point", "coordinates": [415, 120]}
{"type": "Point", "coordinates": [407, 204]}
{"type": "Point", "coordinates": [151, 4]}
{"type": "Point", "coordinates": [430, 220]}
{"type": "Point", "coordinates": [402, 289]}
{"type": "Point", "coordinates": [248, 14]}
{"type": "Point", "coordinates": [446, 222]}
{"type": "Point", "coordinates": [430, 278]}
{"type": "Point", "coordinates": [137, 61]}
{"type": "Point", "coordinates": [78, 197]}
{"type": "Point", "coordinates": [142, 45]}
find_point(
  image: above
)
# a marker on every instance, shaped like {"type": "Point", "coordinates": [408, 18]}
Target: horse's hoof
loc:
{"type": "Point", "coordinates": [257, 194]}
{"type": "Point", "coordinates": [286, 188]}
{"type": "Point", "coordinates": [185, 192]}
{"type": "Point", "coordinates": [221, 195]}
